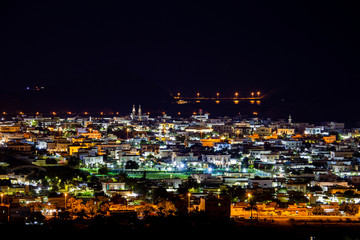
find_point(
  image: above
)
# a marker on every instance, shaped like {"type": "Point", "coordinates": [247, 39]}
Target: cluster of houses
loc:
{"type": "Point", "coordinates": [282, 164]}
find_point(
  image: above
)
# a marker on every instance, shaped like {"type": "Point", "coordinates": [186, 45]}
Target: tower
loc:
{"type": "Point", "coordinates": [133, 113]}
{"type": "Point", "coordinates": [289, 120]}
{"type": "Point", "coordinates": [139, 111]}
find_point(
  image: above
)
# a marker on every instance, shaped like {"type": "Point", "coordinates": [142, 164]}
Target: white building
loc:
{"type": "Point", "coordinates": [291, 144]}
{"type": "Point", "coordinates": [314, 130]}
{"type": "Point", "coordinates": [93, 160]}
{"type": "Point", "coordinates": [219, 160]}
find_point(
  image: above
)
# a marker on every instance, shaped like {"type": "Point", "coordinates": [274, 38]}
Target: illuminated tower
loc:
{"type": "Point", "coordinates": [133, 114]}
{"type": "Point", "coordinates": [139, 112]}
{"type": "Point", "coordinates": [289, 120]}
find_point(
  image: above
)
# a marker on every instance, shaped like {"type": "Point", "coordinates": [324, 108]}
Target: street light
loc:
{"type": "Point", "coordinates": [236, 94]}
{"type": "Point", "coordinates": [127, 133]}
{"type": "Point", "coordinates": [252, 94]}
{"type": "Point", "coordinates": [65, 199]}
{"type": "Point", "coordinates": [2, 198]}
{"type": "Point", "coordinates": [189, 195]}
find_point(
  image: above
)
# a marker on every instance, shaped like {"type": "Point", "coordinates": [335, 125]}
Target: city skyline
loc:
{"type": "Point", "coordinates": [162, 119]}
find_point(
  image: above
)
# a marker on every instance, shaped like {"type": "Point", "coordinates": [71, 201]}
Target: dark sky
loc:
{"type": "Point", "coordinates": [98, 53]}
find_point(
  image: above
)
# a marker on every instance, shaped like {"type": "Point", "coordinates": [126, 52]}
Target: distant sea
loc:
{"type": "Point", "coordinates": [303, 105]}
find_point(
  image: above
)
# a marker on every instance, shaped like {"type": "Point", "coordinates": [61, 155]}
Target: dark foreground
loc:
{"type": "Point", "coordinates": [179, 228]}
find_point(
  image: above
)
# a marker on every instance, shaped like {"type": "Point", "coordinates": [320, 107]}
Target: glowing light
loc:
{"type": "Point", "coordinates": [236, 101]}
{"type": "Point", "coordinates": [217, 101]}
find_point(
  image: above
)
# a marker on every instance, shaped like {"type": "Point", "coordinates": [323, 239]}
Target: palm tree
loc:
{"type": "Point", "coordinates": [251, 206]}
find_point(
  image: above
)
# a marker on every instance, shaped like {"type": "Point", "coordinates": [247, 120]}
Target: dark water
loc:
{"type": "Point", "coordinates": [310, 106]}
{"type": "Point", "coordinates": [301, 111]}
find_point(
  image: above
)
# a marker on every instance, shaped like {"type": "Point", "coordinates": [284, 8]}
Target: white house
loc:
{"type": "Point", "coordinates": [216, 159]}
{"type": "Point", "coordinates": [314, 130]}
{"type": "Point", "coordinates": [291, 144]}
{"type": "Point", "coordinates": [93, 160]}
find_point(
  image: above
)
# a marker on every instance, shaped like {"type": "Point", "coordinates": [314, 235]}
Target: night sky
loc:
{"type": "Point", "coordinates": [98, 55]}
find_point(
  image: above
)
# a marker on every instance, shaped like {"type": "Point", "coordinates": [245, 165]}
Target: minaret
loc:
{"type": "Point", "coordinates": [133, 112]}
{"type": "Point", "coordinates": [139, 112]}
{"type": "Point", "coordinates": [289, 120]}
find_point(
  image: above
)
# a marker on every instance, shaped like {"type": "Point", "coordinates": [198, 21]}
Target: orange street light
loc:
{"type": "Point", "coordinates": [65, 199]}
{"type": "Point", "coordinates": [189, 195]}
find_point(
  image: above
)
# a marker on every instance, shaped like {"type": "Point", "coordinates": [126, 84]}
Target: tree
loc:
{"type": "Point", "coordinates": [74, 162]}
{"type": "Point", "coordinates": [350, 194]}
{"type": "Point", "coordinates": [91, 209]}
{"type": "Point", "coordinates": [75, 207]}
{"type": "Point", "coordinates": [318, 210]}
{"type": "Point", "coordinates": [166, 208]}
{"type": "Point", "coordinates": [158, 194]}
{"type": "Point", "coordinates": [296, 196]}
{"type": "Point", "coordinates": [118, 199]}
{"type": "Point", "coordinates": [252, 206]}
{"type": "Point", "coordinates": [104, 208]}
{"type": "Point", "coordinates": [146, 210]}
{"type": "Point", "coordinates": [235, 194]}
{"type": "Point", "coordinates": [349, 208]}
{"type": "Point", "coordinates": [103, 170]}
{"type": "Point", "coordinates": [185, 186]}
{"type": "Point", "coordinates": [131, 165]}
